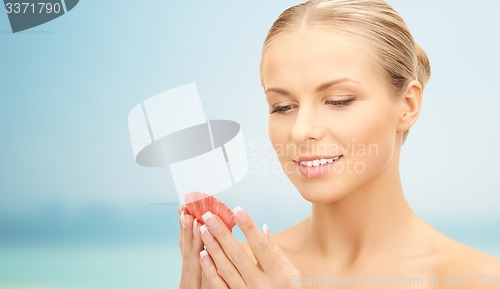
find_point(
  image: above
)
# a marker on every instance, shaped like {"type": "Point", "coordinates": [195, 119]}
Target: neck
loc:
{"type": "Point", "coordinates": [374, 218]}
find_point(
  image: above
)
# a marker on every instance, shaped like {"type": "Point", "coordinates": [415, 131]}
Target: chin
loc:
{"type": "Point", "coordinates": [332, 188]}
{"type": "Point", "coordinates": [322, 191]}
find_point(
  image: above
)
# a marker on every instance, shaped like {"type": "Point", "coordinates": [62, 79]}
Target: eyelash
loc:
{"type": "Point", "coordinates": [281, 109]}
{"type": "Point", "coordinates": [340, 103]}
{"type": "Point", "coordinates": [337, 103]}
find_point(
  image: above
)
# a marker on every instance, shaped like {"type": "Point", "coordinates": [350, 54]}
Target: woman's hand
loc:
{"type": "Point", "coordinates": [191, 245]}
{"type": "Point", "coordinates": [227, 264]}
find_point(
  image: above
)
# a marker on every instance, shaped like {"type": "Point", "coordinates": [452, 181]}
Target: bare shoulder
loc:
{"type": "Point", "coordinates": [462, 258]}
{"type": "Point", "coordinates": [466, 267]}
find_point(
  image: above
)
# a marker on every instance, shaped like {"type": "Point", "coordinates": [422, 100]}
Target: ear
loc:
{"type": "Point", "coordinates": [411, 103]}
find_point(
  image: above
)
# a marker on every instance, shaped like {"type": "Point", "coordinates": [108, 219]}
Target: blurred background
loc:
{"type": "Point", "coordinates": [76, 211]}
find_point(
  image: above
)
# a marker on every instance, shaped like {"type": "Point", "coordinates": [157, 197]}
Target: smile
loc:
{"type": "Point", "coordinates": [318, 162]}
{"type": "Point", "coordinates": [312, 167]}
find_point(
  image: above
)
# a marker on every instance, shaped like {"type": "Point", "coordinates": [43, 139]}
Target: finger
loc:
{"type": "Point", "coordinates": [210, 277]}
{"type": "Point", "coordinates": [232, 248]}
{"type": "Point", "coordinates": [186, 221]}
{"type": "Point", "coordinates": [194, 275]}
{"type": "Point", "coordinates": [181, 226]}
{"type": "Point", "coordinates": [187, 234]}
{"type": "Point", "coordinates": [278, 253]}
{"type": "Point", "coordinates": [183, 281]}
{"type": "Point", "coordinates": [181, 234]}
{"type": "Point", "coordinates": [226, 268]}
{"type": "Point", "coordinates": [261, 244]}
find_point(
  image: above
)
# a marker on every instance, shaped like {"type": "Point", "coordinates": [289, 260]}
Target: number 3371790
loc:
{"type": "Point", "coordinates": [32, 8]}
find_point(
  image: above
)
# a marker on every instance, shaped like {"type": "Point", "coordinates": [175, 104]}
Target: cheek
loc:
{"type": "Point", "coordinates": [278, 135]}
{"type": "Point", "coordinates": [370, 136]}
{"type": "Point", "coordinates": [368, 128]}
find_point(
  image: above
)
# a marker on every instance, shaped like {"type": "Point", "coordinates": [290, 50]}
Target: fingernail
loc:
{"type": "Point", "coordinates": [205, 234]}
{"type": "Point", "coordinates": [210, 220]}
{"type": "Point", "coordinates": [182, 220]}
{"type": "Point", "coordinates": [179, 210]}
{"type": "Point", "coordinates": [240, 215]}
{"type": "Point", "coordinates": [205, 259]}
{"type": "Point", "coordinates": [195, 231]}
{"type": "Point", "coordinates": [267, 233]}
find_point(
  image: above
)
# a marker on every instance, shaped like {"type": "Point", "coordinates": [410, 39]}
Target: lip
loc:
{"type": "Point", "coordinates": [312, 158]}
{"type": "Point", "coordinates": [318, 171]}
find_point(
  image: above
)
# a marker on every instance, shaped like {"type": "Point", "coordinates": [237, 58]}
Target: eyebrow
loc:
{"type": "Point", "coordinates": [318, 89]}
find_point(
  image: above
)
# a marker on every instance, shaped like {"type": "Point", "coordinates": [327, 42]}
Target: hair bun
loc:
{"type": "Point", "coordinates": [423, 66]}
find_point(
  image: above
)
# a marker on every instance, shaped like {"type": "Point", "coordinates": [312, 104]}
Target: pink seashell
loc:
{"type": "Point", "coordinates": [198, 203]}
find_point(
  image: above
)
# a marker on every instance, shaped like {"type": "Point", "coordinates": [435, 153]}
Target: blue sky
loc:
{"type": "Point", "coordinates": [67, 87]}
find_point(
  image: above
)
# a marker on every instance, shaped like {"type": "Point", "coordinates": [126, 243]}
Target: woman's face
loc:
{"type": "Point", "coordinates": [333, 121]}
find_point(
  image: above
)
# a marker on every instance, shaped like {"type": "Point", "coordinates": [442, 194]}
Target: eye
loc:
{"type": "Point", "coordinates": [282, 108]}
{"type": "Point", "coordinates": [340, 103]}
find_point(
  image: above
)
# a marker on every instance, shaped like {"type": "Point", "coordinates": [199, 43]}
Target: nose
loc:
{"type": "Point", "coordinates": [308, 125]}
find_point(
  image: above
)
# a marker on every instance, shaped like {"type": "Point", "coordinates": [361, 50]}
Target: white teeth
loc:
{"type": "Point", "coordinates": [315, 163]}
{"type": "Point", "coordinates": [332, 159]}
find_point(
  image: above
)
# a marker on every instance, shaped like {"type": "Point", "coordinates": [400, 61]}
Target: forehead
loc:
{"type": "Point", "coordinates": [312, 56]}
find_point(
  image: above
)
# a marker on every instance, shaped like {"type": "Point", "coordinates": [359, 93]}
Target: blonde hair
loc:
{"type": "Point", "coordinates": [400, 58]}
